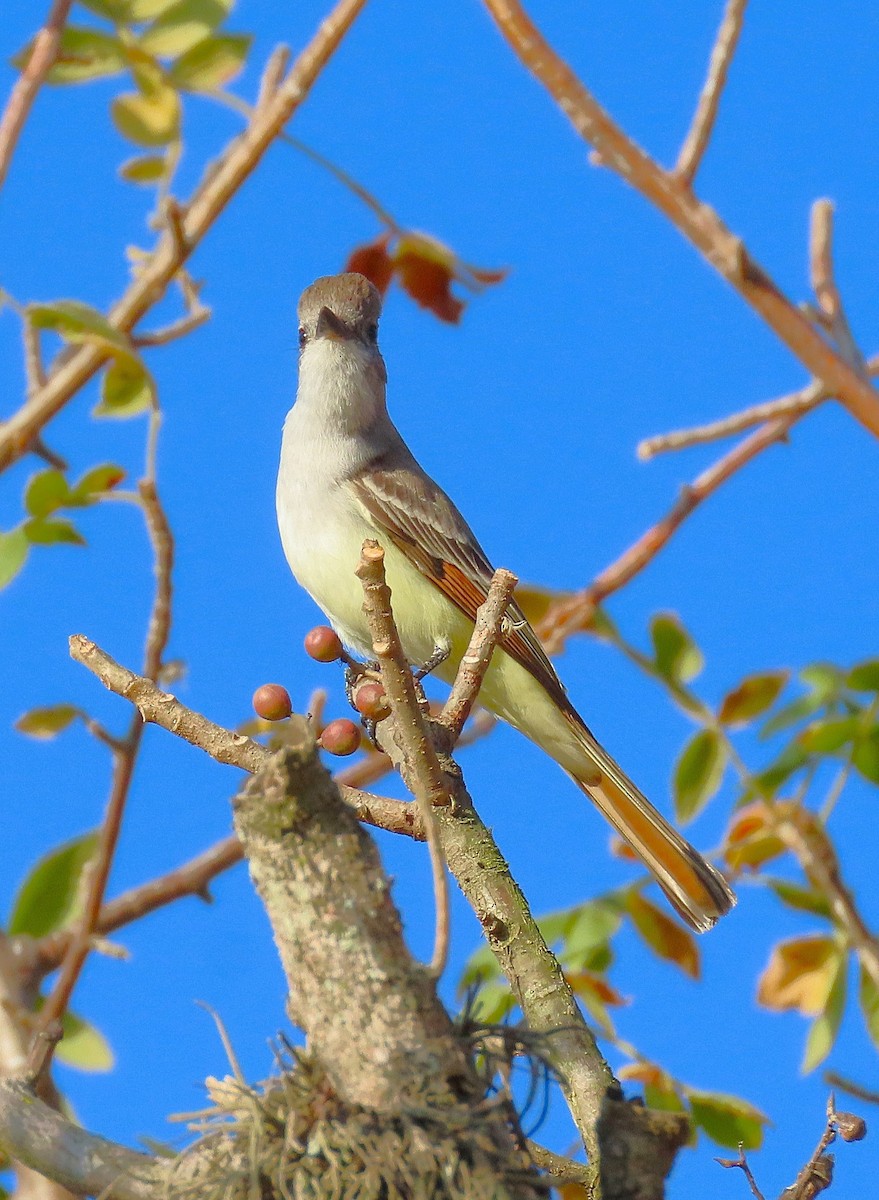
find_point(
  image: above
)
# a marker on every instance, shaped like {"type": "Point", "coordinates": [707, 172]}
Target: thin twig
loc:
{"type": "Point", "coordinates": [834, 1079]}
{"type": "Point", "coordinates": [158, 707]}
{"type": "Point", "coordinates": [475, 663]}
{"type": "Point", "coordinates": [796, 403]}
{"type": "Point", "coordinates": [831, 311]}
{"type": "Point", "coordinates": [235, 165]}
{"type": "Point", "coordinates": [425, 772]}
{"type": "Point", "coordinates": [742, 1163]}
{"type": "Point", "coordinates": [177, 329]}
{"type": "Point", "coordinates": [696, 221]}
{"type": "Point", "coordinates": [696, 141]}
{"type": "Point", "coordinates": [40, 62]}
{"type": "Point", "coordinates": [574, 613]}
{"type": "Point", "coordinates": [817, 1174]}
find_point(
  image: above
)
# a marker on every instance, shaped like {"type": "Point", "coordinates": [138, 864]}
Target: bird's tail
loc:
{"type": "Point", "coordinates": [696, 889]}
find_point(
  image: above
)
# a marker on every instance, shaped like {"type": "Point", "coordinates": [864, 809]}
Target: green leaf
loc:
{"type": "Point", "coordinates": [50, 896]}
{"type": "Point", "coordinates": [830, 735]}
{"type": "Point", "coordinates": [481, 967]}
{"type": "Point", "coordinates": [792, 759]}
{"type": "Point", "coordinates": [753, 696]}
{"type": "Point", "coordinates": [492, 1003]}
{"type": "Point", "coordinates": [677, 657]}
{"type": "Point", "coordinates": [698, 773]}
{"type": "Point", "coordinates": [84, 54]}
{"type": "Point", "coordinates": [127, 389]}
{"type": "Point", "coordinates": [666, 937]}
{"type": "Point", "coordinates": [46, 531]}
{"type": "Point", "coordinates": [865, 676]}
{"type": "Point", "coordinates": [46, 491]}
{"type": "Point", "coordinates": [147, 10]}
{"type": "Point", "coordinates": [112, 10]}
{"type": "Point", "coordinates": [77, 322]}
{"type": "Point", "coordinates": [803, 899]}
{"type": "Point", "coordinates": [45, 723]}
{"type": "Point", "coordinates": [212, 63]}
{"type": "Point", "coordinates": [96, 482]}
{"type": "Point", "coordinates": [183, 25]}
{"type": "Point", "coordinates": [728, 1120]}
{"type": "Point", "coordinates": [148, 120]}
{"type": "Point", "coordinates": [825, 1027]}
{"type": "Point", "coordinates": [83, 1046]}
{"type": "Point", "coordinates": [825, 679]}
{"type": "Point", "coordinates": [792, 714]}
{"type": "Point", "coordinates": [869, 998]}
{"type": "Point", "coordinates": [866, 755]}
{"type": "Point", "coordinates": [14, 548]}
{"type": "Point", "coordinates": [592, 927]}
{"type": "Point", "coordinates": [148, 168]}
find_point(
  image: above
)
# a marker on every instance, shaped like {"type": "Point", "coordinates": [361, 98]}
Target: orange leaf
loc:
{"type": "Point", "coordinates": [799, 975]}
{"type": "Point", "coordinates": [750, 841]}
{"type": "Point", "coordinates": [665, 936]}
{"type": "Point", "coordinates": [373, 261]}
{"type": "Point", "coordinates": [587, 981]}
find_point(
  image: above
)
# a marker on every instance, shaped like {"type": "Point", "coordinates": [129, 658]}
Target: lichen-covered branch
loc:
{"type": "Point", "coordinates": [484, 877]}
{"type": "Point", "coordinates": [34, 1134]}
{"type": "Point", "coordinates": [370, 1012]}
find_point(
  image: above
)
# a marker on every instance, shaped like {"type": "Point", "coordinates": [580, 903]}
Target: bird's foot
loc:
{"type": "Point", "coordinates": [440, 653]}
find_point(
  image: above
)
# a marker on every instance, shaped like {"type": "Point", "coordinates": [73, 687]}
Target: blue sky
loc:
{"type": "Point", "coordinates": [608, 328]}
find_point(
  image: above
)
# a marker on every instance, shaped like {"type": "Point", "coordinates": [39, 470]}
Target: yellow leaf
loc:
{"type": "Point", "coordinates": [665, 936]}
{"type": "Point", "coordinates": [799, 975]}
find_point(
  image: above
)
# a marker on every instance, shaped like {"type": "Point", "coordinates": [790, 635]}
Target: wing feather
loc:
{"type": "Point", "coordinates": [425, 525]}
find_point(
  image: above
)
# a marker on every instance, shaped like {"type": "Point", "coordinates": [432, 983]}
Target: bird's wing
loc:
{"type": "Point", "coordinates": [422, 522]}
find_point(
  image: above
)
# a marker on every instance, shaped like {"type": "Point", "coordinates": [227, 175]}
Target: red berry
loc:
{"type": "Point", "coordinates": [370, 699]}
{"type": "Point", "coordinates": [323, 644]}
{"type": "Point", "coordinates": [340, 737]}
{"type": "Point", "coordinates": [272, 702]}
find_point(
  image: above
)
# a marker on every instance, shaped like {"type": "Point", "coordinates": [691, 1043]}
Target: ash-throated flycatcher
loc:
{"type": "Point", "coordinates": [346, 475]}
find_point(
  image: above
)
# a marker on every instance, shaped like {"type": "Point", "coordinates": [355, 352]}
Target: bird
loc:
{"type": "Point", "coordinates": [346, 476]}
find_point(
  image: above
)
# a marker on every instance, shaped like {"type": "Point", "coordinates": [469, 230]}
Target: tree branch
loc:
{"type": "Point", "coordinates": [157, 707]}
{"type": "Point", "coordinates": [699, 223]}
{"type": "Point", "coordinates": [473, 857]}
{"type": "Point", "coordinates": [696, 141]}
{"type": "Point", "coordinates": [43, 54]}
{"type": "Point", "coordinates": [221, 183]}
{"type": "Point", "coordinates": [34, 1134]}
{"type": "Point", "coordinates": [473, 666]}
{"type": "Point", "coordinates": [423, 776]}
{"type": "Point", "coordinates": [573, 613]}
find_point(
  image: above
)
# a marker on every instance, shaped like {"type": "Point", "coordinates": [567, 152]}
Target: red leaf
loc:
{"type": "Point", "coordinates": [373, 261]}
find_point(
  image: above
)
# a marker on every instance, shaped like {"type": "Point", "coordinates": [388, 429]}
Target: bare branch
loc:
{"type": "Point", "coordinates": [831, 311]}
{"type": "Point", "coordinates": [834, 1079]}
{"type": "Point", "coordinates": [157, 707]}
{"type": "Point", "coordinates": [424, 775]}
{"type": "Point", "coordinates": [742, 1163]}
{"type": "Point", "coordinates": [34, 1134]}
{"type": "Point", "coordinates": [240, 158]}
{"type": "Point", "coordinates": [795, 403]}
{"type": "Point", "coordinates": [42, 57]}
{"type": "Point", "coordinates": [177, 329]}
{"type": "Point", "coordinates": [696, 141]}
{"type": "Point", "coordinates": [475, 663]}
{"type": "Point", "coordinates": [698, 222]}
{"type": "Point", "coordinates": [574, 613]}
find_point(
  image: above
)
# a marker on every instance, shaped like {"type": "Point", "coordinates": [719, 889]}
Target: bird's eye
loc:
{"type": "Point", "coordinates": [372, 332]}
{"type": "Point", "coordinates": [303, 336]}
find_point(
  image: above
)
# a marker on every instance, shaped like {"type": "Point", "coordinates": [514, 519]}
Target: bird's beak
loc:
{"type": "Point", "coordinates": [330, 326]}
